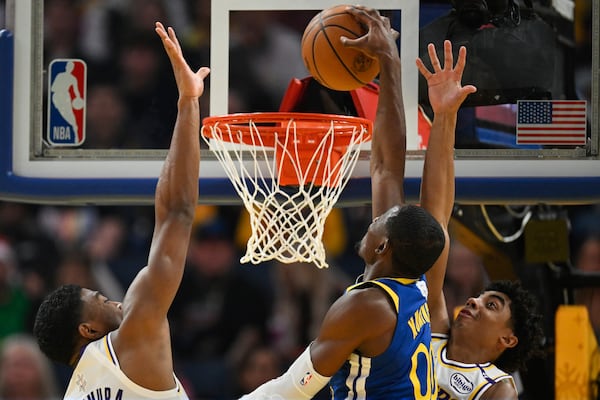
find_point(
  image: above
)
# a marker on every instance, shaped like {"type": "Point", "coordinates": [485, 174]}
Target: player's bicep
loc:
{"type": "Point", "coordinates": [440, 320]}
{"type": "Point", "coordinates": [344, 329]}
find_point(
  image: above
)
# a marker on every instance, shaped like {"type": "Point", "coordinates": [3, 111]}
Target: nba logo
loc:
{"type": "Point", "coordinates": [66, 102]}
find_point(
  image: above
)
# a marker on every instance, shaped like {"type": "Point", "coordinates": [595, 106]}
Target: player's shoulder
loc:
{"type": "Point", "coordinates": [501, 390]}
{"type": "Point", "coordinates": [366, 310]}
{"type": "Point", "coordinates": [366, 299]}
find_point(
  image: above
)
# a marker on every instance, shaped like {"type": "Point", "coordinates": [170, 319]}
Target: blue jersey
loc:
{"type": "Point", "coordinates": [405, 369]}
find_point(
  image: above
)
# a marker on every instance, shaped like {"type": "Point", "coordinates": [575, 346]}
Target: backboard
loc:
{"type": "Point", "coordinates": [240, 49]}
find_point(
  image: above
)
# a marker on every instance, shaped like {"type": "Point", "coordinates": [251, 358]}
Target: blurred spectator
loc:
{"type": "Point", "coordinates": [587, 259]}
{"type": "Point", "coordinates": [267, 56]}
{"type": "Point", "coordinates": [143, 14]}
{"type": "Point", "coordinates": [36, 252]}
{"type": "Point", "coordinates": [584, 242]}
{"type": "Point", "coordinates": [14, 304]}
{"type": "Point", "coordinates": [218, 313]}
{"type": "Point", "coordinates": [98, 37]}
{"type": "Point", "coordinates": [25, 373]}
{"type": "Point", "coordinates": [259, 365]}
{"type": "Point", "coordinates": [104, 244]}
{"type": "Point", "coordinates": [583, 49]}
{"type": "Point", "coordinates": [356, 220]}
{"type": "Point", "coordinates": [303, 294]}
{"type": "Point", "coordinates": [76, 267]}
{"type": "Point", "coordinates": [85, 239]}
{"type": "Point", "coordinates": [198, 34]}
{"type": "Point", "coordinates": [106, 123]}
{"type": "Point", "coordinates": [104, 22]}
{"type": "Point", "coordinates": [465, 276]}
{"type": "Point", "coordinates": [62, 26]}
{"type": "Point", "coordinates": [148, 91]}
{"type": "Point", "coordinates": [68, 226]}
{"type": "Point", "coordinates": [272, 48]}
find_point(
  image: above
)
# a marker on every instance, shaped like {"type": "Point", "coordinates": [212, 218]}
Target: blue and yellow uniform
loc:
{"type": "Point", "coordinates": [405, 369]}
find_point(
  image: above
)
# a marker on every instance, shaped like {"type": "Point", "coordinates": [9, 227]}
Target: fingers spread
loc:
{"type": "Point", "coordinates": [423, 69]}
{"type": "Point", "coordinates": [448, 58]}
{"type": "Point", "coordinates": [462, 60]}
{"type": "Point", "coordinates": [435, 62]}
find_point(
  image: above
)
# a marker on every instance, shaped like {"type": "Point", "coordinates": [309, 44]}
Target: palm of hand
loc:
{"type": "Point", "coordinates": [444, 93]}
{"type": "Point", "coordinates": [190, 84]}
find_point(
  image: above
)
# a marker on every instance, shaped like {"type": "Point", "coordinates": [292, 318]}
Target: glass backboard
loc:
{"type": "Point", "coordinates": [253, 49]}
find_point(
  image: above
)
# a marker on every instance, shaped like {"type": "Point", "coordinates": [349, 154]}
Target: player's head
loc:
{"type": "Point", "coordinates": [409, 236]}
{"type": "Point", "coordinates": [527, 325]}
{"type": "Point", "coordinates": [503, 320]}
{"type": "Point", "coordinates": [71, 316]}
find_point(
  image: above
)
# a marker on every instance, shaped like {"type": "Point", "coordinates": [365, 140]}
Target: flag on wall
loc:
{"type": "Point", "coordinates": [551, 122]}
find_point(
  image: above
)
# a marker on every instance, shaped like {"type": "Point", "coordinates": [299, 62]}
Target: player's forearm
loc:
{"type": "Point", "coordinates": [437, 197]}
{"type": "Point", "coordinates": [438, 186]}
{"type": "Point", "coordinates": [177, 189]}
{"type": "Point", "coordinates": [389, 139]}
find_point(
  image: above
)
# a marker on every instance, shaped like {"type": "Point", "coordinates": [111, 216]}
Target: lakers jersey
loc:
{"type": "Point", "coordinates": [98, 376]}
{"type": "Point", "coordinates": [459, 381]}
{"type": "Point", "coordinates": [405, 369]}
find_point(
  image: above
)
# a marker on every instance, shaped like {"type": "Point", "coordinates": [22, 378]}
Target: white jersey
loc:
{"type": "Point", "coordinates": [460, 381]}
{"type": "Point", "coordinates": [98, 376]}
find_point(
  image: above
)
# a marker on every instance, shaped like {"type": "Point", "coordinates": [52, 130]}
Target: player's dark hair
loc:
{"type": "Point", "coordinates": [526, 324]}
{"type": "Point", "coordinates": [416, 239]}
{"type": "Point", "coordinates": [56, 323]}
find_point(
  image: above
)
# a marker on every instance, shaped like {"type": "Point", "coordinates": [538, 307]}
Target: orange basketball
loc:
{"type": "Point", "coordinates": [331, 63]}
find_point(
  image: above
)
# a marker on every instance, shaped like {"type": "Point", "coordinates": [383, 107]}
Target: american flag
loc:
{"type": "Point", "coordinates": [552, 122]}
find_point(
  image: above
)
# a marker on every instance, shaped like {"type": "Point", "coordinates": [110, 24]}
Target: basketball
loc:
{"type": "Point", "coordinates": [328, 61]}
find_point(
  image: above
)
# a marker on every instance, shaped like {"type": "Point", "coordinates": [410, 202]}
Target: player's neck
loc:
{"type": "Point", "coordinates": [468, 352]}
{"type": "Point", "coordinates": [77, 355]}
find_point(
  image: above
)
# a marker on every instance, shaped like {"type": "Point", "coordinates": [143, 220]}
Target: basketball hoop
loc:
{"type": "Point", "coordinates": [289, 169]}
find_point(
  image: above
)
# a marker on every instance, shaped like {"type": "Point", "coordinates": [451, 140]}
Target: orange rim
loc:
{"type": "Point", "coordinates": [309, 127]}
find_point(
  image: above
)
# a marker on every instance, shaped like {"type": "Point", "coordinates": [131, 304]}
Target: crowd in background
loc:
{"type": "Point", "coordinates": [233, 326]}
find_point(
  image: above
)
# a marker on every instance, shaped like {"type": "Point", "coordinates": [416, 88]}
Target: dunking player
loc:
{"type": "Point", "coordinates": [500, 326]}
{"type": "Point", "coordinates": [375, 339]}
{"type": "Point", "coordinates": [124, 350]}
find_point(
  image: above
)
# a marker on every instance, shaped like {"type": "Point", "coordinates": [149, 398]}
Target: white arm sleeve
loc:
{"type": "Point", "coordinates": [299, 382]}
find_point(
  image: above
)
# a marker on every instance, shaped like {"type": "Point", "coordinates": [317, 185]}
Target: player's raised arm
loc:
{"type": "Point", "coordinates": [84, 329]}
{"type": "Point", "coordinates": [446, 94]}
{"type": "Point", "coordinates": [151, 294]}
{"type": "Point", "coordinates": [388, 146]}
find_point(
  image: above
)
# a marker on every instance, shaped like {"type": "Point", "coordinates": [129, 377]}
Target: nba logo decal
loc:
{"type": "Point", "coordinates": [66, 102]}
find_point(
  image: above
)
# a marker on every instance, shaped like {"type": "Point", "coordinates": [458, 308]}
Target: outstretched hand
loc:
{"type": "Point", "coordinates": [446, 92]}
{"type": "Point", "coordinates": [189, 84]}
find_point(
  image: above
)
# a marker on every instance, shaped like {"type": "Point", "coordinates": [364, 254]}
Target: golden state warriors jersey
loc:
{"type": "Point", "coordinates": [460, 381]}
{"type": "Point", "coordinates": [98, 376]}
{"type": "Point", "coordinates": [405, 369]}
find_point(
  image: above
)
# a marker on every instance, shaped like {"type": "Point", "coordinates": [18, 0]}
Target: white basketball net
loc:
{"type": "Point", "coordinates": [287, 221]}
